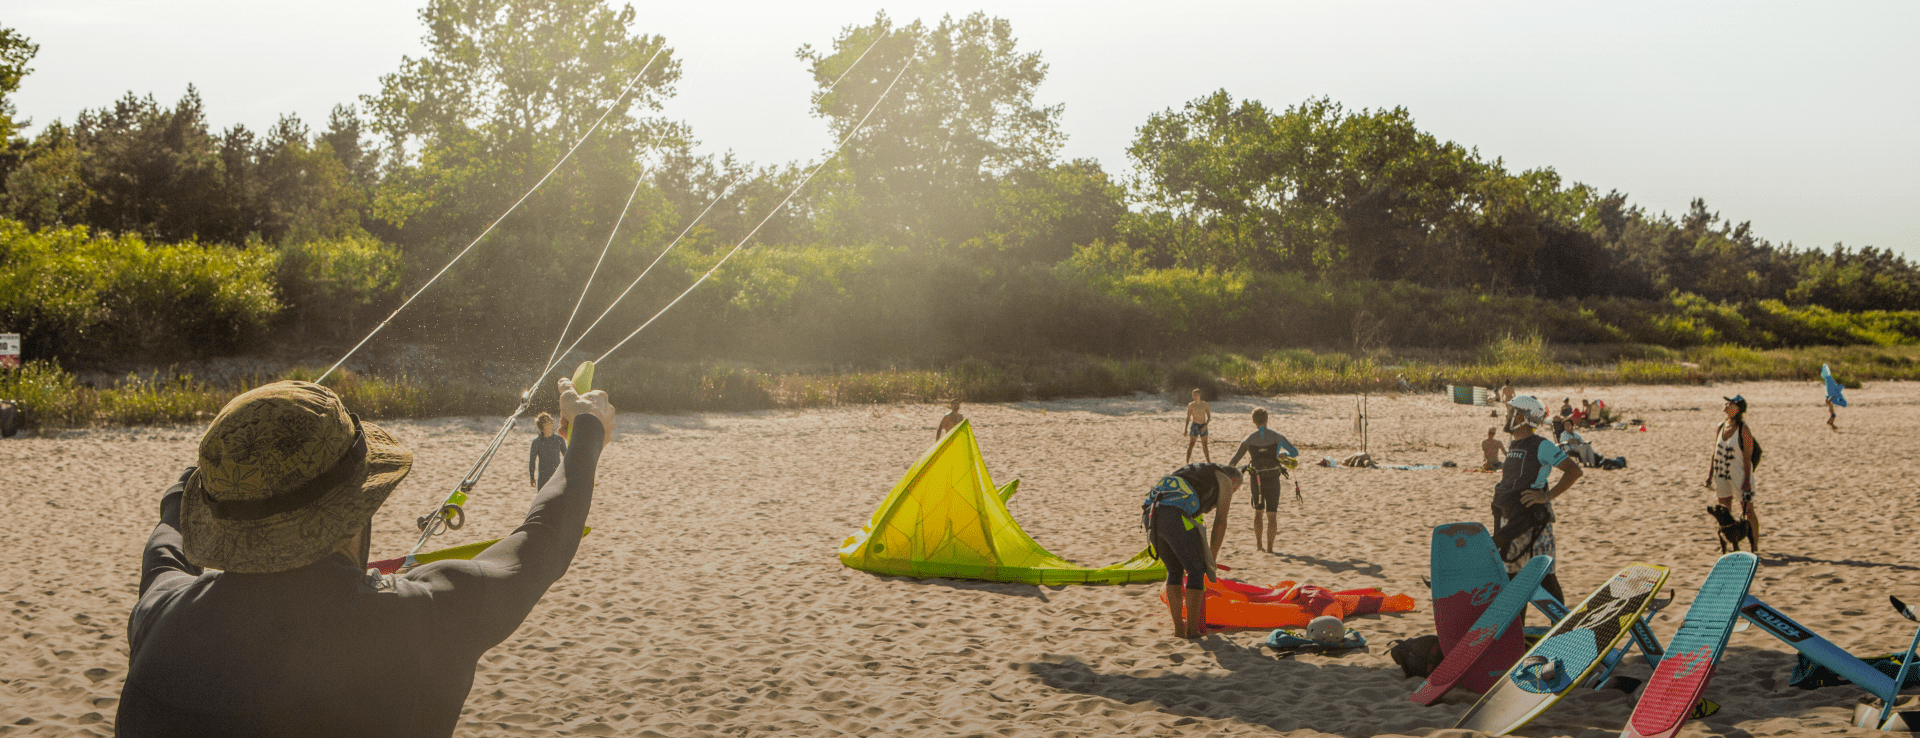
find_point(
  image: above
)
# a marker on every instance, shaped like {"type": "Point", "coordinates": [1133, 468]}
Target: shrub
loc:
{"type": "Point", "coordinates": [85, 296]}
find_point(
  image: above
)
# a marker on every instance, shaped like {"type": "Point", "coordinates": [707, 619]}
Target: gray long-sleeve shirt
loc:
{"type": "Point", "coordinates": [322, 650]}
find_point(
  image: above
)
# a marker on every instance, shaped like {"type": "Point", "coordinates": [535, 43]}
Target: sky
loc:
{"type": "Point", "coordinates": [1798, 117]}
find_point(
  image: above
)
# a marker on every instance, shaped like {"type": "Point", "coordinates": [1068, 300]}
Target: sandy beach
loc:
{"type": "Point", "coordinates": [708, 600]}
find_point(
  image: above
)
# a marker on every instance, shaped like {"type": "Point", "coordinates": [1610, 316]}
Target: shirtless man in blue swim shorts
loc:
{"type": "Point", "coordinates": [1198, 415]}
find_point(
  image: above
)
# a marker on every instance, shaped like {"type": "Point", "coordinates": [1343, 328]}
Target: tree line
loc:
{"type": "Point", "coordinates": [948, 225]}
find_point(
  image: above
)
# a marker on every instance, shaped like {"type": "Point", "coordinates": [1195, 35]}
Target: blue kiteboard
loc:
{"type": "Point", "coordinates": [1833, 386]}
{"type": "Point", "coordinates": [1569, 653]}
{"type": "Point", "coordinates": [1695, 650]}
{"type": "Point", "coordinates": [1463, 657]}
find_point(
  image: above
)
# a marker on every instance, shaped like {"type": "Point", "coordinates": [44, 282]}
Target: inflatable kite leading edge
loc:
{"type": "Point", "coordinates": [947, 519]}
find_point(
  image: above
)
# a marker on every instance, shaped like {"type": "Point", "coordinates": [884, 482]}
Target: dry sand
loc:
{"type": "Point", "coordinates": [709, 600]}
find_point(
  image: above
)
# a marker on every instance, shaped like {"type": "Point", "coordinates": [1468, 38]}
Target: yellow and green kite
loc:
{"type": "Point", "coordinates": [947, 519]}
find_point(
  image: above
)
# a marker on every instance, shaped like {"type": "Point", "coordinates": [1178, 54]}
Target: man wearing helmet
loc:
{"type": "Point", "coordinates": [1523, 502]}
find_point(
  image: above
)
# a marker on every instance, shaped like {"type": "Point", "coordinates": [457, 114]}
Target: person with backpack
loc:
{"type": "Point", "coordinates": [1173, 514]}
{"type": "Point", "coordinates": [1523, 501]}
{"type": "Point", "coordinates": [1735, 454]}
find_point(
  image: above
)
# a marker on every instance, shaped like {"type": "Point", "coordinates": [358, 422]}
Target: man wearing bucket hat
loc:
{"type": "Point", "coordinates": [292, 636]}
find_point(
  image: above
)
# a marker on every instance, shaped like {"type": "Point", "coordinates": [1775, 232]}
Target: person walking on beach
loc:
{"type": "Point", "coordinates": [1832, 414]}
{"type": "Point", "coordinates": [949, 421]}
{"type": "Point", "coordinates": [544, 458]}
{"type": "Point", "coordinates": [1523, 501]}
{"type": "Point", "coordinates": [1732, 467]}
{"type": "Point", "coordinates": [1492, 450]}
{"type": "Point", "coordinates": [1173, 516]}
{"type": "Point", "coordinates": [1263, 447]}
{"type": "Point", "coordinates": [1198, 415]}
{"type": "Point", "coordinates": [291, 636]}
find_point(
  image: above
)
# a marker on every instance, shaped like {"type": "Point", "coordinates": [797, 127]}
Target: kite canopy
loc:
{"type": "Point", "coordinates": [946, 519]}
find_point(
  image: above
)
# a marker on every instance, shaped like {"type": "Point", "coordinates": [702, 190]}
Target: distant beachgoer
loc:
{"type": "Point", "coordinates": [1264, 447]}
{"type": "Point", "coordinates": [1198, 415]}
{"type": "Point", "coordinates": [1172, 514]}
{"type": "Point", "coordinates": [544, 458]}
{"type": "Point", "coordinates": [283, 633]}
{"type": "Point", "coordinates": [1492, 449]}
{"type": "Point", "coordinates": [1523, 502]}
{"type": "Point", "coordinates": [1506, 391]}
{"type": "Point", "coordinates": [1832, 415]}
{"type": "Point", "coordinates": [949, 421]}
{"type": "Point", "coordinates": [1732, 468]}
{"type": "Point", "coordinates": [1581, 414]}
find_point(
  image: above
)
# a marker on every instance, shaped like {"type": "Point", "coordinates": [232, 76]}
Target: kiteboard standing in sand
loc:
{"type": "Point", "coordinates": [1523, 502]}
{"type": "Point", "coordinates": [1263, 447]}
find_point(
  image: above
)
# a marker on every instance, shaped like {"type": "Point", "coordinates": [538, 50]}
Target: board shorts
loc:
{"type": "Point", "coordinates": [1266, 491]}
{"type": "Point", "coordinates": [1198, 430]}
{"type": "Point", "coordinates": [1176, 541]}
{"type": "Point", "coordinates": [1522, 550]}
{"type": "Point", "coordinates": [1725, 489]}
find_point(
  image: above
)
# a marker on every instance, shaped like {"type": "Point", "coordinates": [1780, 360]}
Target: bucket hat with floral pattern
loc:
{"type": "Point", "coordinates": [285, 476]}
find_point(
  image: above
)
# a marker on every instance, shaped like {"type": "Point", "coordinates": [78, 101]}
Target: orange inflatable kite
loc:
{"type": "Point", "coordinates": [1233, 604]}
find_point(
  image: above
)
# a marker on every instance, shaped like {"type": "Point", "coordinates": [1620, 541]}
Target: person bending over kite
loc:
{"type": "Point", "coordinates": [293, 636]}
{"type": "Point", "coordinates": [1173, 516]}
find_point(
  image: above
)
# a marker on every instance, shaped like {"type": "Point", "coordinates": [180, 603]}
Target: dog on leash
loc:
{"type": "Point", "coordinates": [1732, 530]}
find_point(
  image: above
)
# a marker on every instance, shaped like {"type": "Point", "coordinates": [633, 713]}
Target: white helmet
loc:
{"type": "Point", "coordinates": [1531, 411]}
{"type": "Point", "coordinates": [1327, 629]}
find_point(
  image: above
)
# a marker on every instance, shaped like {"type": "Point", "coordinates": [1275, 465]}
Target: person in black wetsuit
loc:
{"type": "Point", "coordinates": [1263, 447]}
{"type": "Point", "coordinates": [1172, 514]}
{"type": "Point", "coordinates": [546, 453]}
{"type": "Point", "coordinates": [292, 636]}
{"type": "Point", "coordinates": [1523, 500]}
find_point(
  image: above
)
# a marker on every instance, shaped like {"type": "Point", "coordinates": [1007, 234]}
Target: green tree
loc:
{"type": "Point", "coordinates": [15, 51]}
{"type": "Point", "coordinates": [504, 90]}
{"type": "Point", "coordinates": [925, 168]}
{"type": "Point", "coordinates": [1041, 214]}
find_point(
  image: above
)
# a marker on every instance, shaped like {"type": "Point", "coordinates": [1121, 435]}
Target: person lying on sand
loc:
{"type": "Point", "coordinates": [1198, 415]}
{"type": "Point", "coordinates": [1172, 514]}
{"type": "Point", "coordinates": [1522, 499]}
{"type": "Point", "coordinates": [257, 615]}
{"type": "Point", "coordinates": [1264, 447]}
{"type": "Point", "coordinates": [949, 421]}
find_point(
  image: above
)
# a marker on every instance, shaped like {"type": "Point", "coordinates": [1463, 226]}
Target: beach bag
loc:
{"type": "Point", "coordinates": [1617, 462]}
{"type": "Point", "coordinates": [1417, 657]}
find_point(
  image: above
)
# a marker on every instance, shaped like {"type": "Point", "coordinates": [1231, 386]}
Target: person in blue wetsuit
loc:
{"type": "Point", "coordinates": [1523, 501]}
{"type": "Point", "coordinates": [1173, 516]}
{"type": "Point", "coordinates": [1264, 447]}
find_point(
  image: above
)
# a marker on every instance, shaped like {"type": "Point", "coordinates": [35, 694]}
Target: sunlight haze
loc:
{"type": "Point", "coordinates": [1796, 117]}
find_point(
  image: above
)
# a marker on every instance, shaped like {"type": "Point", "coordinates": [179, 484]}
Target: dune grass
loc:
{"type": "Point", "coordinates": [54, 398]}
